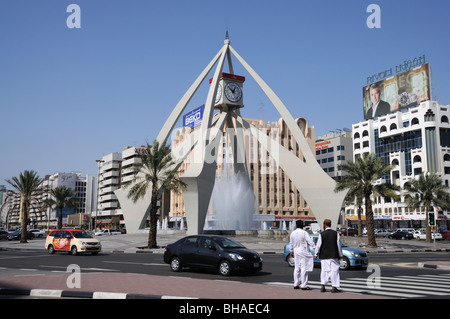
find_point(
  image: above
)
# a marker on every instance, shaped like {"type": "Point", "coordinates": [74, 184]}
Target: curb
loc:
{"type": "Point", "coordinates": [433, 266]}
{"type": "Point", "coordinates": [54, 293]}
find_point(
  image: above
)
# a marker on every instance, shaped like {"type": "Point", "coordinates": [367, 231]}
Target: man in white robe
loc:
{"type": "Point", "coordinates": [304, 262]}
{"type": "Point", "coordinates": [329, 250]}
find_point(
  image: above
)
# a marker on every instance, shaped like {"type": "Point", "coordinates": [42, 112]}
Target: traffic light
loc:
{"type": "Point", "coordinates": [431, 219]}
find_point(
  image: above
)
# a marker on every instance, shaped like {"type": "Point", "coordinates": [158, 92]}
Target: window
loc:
{"type": "Point", "coordinates": [190, 242]}
{"type": "Point", "coordinates": [341, 158]}
{"type": "Point", "coordinates": [341, 148]}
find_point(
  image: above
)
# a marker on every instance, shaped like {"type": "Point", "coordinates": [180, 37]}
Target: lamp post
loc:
{"type": "Point", "coordinates": [98, 192]}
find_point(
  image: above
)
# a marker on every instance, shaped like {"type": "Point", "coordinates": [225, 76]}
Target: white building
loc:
{"type": "Point", "coordinates": [109, 180]}
{"type": "Point", "coordinates": [116, 169]}
{"type": "Point", "coordinates": [333, 150]}
{"type": "Point", "coordinates": [414, 141]}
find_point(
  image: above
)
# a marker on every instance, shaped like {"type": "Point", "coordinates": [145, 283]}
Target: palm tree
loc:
{"type": "Point", "coordinates": [28, 186]}
{"type": "Point", "coordinates": [155, 172]}
{"type": "Point", "coordinates": [361, 175]}
{"type": "Point", "coordinates": [61, 197]}
{"type": "Point", "coordinates": [428, 191]}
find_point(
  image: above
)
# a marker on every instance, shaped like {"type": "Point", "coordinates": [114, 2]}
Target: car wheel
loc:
{"type": "Point", "coordinates": [50, 249]}
{"type": "Point", "coordinates": [74, 250]}
{"type": "Point", "coordinates": [175, 264]}
{"type": "Point", "coordinates": [290, 260]}
{"type": "Point", "coordinates": [344, 263]}
{"type": "Point", "coordinates": [225, 268]}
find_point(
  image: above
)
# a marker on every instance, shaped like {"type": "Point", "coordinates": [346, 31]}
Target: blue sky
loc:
{"type": "Point", "coordinates": [71, 96]}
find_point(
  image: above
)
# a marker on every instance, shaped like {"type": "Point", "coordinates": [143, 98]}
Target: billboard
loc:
{"type": "Point", "coordinates": [193, 118]}
{"type": "Point", "coordinates": [399, 92]}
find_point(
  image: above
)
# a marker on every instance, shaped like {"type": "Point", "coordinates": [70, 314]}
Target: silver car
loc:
{"type": "Point", "coordinates": [382, 233]}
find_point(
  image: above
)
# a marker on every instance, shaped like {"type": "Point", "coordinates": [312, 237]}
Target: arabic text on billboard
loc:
{"type": "Point", "coordinates": [399, 92]}
{"type": "Point", "coordinates": [193, 118]}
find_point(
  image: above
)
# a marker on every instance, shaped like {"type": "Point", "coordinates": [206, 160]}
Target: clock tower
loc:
{"type": "Point", "coordinates": [229, 91]}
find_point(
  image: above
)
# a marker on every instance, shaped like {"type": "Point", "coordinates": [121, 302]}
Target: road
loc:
{"type": "Point", "coordinates": [390, 274]}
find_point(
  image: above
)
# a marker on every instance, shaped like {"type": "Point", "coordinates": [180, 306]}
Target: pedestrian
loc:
{"type": "Point", "coordinates": [303, 259]}
{"type": "Point", "coordinates": [328, 248]}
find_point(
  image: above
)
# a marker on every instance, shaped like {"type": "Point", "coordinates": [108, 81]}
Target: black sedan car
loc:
{"type": "Point", "coordinates": [17, 234]}
{"type": "Point", "coordinates": [214, 252]}
{"type": "Point", "coordinates": [401, 235]}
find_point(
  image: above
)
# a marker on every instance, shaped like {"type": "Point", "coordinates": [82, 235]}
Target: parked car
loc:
{"type": "Point", "coordinates": [17, 235]}
{"type": "Point", "coordinates": [353, 257]}
{"type": "Point", "coordinates": [348, 232]}
{"type": "Point", "coordinates": [421, 234]}
{"type": "Point", "coordinates": [73, 241]}
{"type": "Point", "coordinates": [445, 234]}
{"type": "Point", "coordinates": [107, 232]}
{"type": "Point", "coordinates": [38, 233]}
{"type": "Point", "coordinates": [409, 230]}
{"type": "Point", "coordinates": [214, 252]}
{"type": "Point", "coordinates": [382, 233]}
{"type": "Point", "coordinates": [3, 234]}
{"type": "Point", "coordinates": [401, 234]}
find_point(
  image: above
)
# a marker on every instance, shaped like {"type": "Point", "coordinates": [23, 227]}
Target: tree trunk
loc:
{"type": "Point", "coordinates": [23, 220]}
{"type": "Point", "coordinates": [359, 221]}
{"type": "Point", "coordinates": [428, 238]}
{"type": "Point", "coordinates": [371, 242]}
{"type": "Point", "coordinates": [60, 217]}
{"type": "Point", "coordinates": [153, 220]}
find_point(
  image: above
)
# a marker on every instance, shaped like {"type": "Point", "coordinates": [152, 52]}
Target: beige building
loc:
{"type": "Point", "coordinates": [277, 198]}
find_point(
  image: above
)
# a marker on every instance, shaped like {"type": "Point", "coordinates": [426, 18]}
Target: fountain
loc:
{"type": "Point", "coordinates": [233, 201]}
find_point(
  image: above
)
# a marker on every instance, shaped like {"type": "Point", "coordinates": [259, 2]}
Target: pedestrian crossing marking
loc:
{"type": "Point", "coordinates": [398, 286]}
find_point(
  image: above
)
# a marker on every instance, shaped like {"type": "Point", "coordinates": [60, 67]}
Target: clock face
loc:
{"type": "Point", "coordinates": [233, 92]}
{"type": "Point", "coordinates": [219, 93]}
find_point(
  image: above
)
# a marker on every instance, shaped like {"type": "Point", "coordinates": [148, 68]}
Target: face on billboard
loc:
{"type": "Point", "coordinates": [401, 91]}
{"type": "Point", "coordinates": [375, 94]}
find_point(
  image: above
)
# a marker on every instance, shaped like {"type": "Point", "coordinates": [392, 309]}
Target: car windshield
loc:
{"type": "Point", "coordinates": [81, 234]}
{"type": "Point", "coordinates": [225, 242]}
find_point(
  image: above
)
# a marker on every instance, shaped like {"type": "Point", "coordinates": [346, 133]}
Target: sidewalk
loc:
{"type": "Point", "coordinates": [141, 286]}
{"type": "Point", "coordinates": [129, 286]}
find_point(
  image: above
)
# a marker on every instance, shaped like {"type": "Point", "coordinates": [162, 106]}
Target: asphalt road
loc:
{"type": "Point", "coordinates": [398, 266]}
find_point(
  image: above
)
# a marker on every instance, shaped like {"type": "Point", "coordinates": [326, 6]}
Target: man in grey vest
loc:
{"type": "Point", "coordinates": [328, 248]}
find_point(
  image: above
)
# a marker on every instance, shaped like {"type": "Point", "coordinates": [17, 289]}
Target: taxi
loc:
{"type": "Point", "coordinates": [73, 241]}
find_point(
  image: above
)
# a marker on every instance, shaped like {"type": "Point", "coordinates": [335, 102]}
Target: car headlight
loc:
{"type": "Point", "coordinates": [236, 257]}
{"type": "Point", "coordinates": [82, 243]}
{"type": "Point", "coordinates": [354, 254]}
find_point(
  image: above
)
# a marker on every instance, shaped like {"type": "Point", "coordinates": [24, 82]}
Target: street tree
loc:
{"type": "Point", "coordinates": [28, 187]}
{"type": "Point", "coordinates": [156, 171]}
{"type": "Point", "coordinates": [364, 175]}
{"type": "Point", "coordinates": [427, 192]}
{"type": "Point", "coordinates": [61, 197]}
